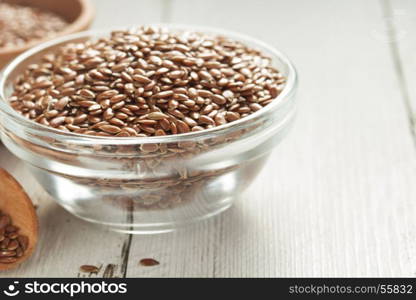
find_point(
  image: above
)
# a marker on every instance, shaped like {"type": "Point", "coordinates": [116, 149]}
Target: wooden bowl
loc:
{"type": "Point", "coordinates": [79, 14]}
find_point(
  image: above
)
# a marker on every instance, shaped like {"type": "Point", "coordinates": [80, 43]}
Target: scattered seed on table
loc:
{"type": "Point", "coordinates": [148, 262]}
{"type": "Point", "coordinates": [89, 269]}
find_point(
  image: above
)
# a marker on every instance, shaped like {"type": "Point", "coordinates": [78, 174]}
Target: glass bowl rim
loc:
{"type": "Point", "coordinates": [286, 94]}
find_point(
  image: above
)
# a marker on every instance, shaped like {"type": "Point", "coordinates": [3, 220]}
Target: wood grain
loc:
{"type": "Point", "coordinates": [337, 196]}
{"type": "Point", "coordinates": [65, 242]}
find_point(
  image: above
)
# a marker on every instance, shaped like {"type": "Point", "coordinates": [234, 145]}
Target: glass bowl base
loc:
{"type": "Point", "coordinates": [156, 228]}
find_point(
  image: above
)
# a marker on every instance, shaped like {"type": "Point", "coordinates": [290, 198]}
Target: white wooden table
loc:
{"type": "Point", "coordinates": [338, 196]}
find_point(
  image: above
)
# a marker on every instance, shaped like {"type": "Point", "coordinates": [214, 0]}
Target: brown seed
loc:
{"type": "Point", "coordinates": [204, 93]}
{"type": "Point", "coordinates": [228, 94]}
{"type": "Point", "coordinates": [207, 109]}
{"type": "Point", "coordinates": [146, 122]}
{"type": "Point", "coordinates": [11, 235]}
{"type": "Point", "coordinates": [177, 113]}
{"type": "Point", "coordinates": [173, 104]}
{"type": "Point", "coordinates": [11, 228]}
{"type": "Point", "coordinates": [220, 119]}
{"type": "Point", "coordinates": [13, 244]}
{"type": "Point", "coordinates": [126, 76]}
{"type": "Point", "coordinates": [153, 81]}
{"type": "Point", "coordinates": [110, 129]}
{"type": "Point", "coordinates": [88, 269]}
{"type": "Point", "coordinates": [130, 131]}
{"type": "Point", "coordinates": [121, 116]}
{"type": "Point", "coordinates": [87, 94]}
{"type": "Point", "coordinates": [173, 128]}
{"type": "Point", "coordinates": [164, 94]}
{"type": "Point", "coordinates": [107, 94]}
{"type": "Point", "coordinates": [191, 122]}
{"type": "Point", "coordinates": [181, 97]}
{"type": "Point", "coordinates": [42, 84]}
{"type": "Point", "coordinates": [7, 253]}
{"type": "Point", "coordinates": [147, 129]}
{"type": "Point", "coordinates": [118, 105]}
{"type": "Point", "coordinates": [94, 107]}
{"type": "Point", "coordinates": [182, 126]}
{"type": "Point", "coordinates": [117, 122]}
{"type": "Point", "coordinates": [19, 252]}
{"type": "Point", "coordinates": [7, 260]}
{"type": "Point", "coordinates": [197, 128]}
{"type": "Point", "coordinates": [108, 114]}
{"type": "Point", "coordinates": [5, 243]}
{"type": "Point", "coordinates": [68, 92]}
{"type": "Point", "coordinates": [255, 106]}
{"type": "Point", "coordinates": [117, 98]}
{"type": "Point", "coordinates": [4, 221]}
{"type": "Point", "coordinates": [93, 62]}
{"type": "Point", "coordinates": [72, 127]}
{"type": "Point", "coordinates": [162, 71]}
{"type": "Point", "coordinates": [148, 262]}
{"type": "Point", "coordinates": [87, 103]}
{"type": "Point", "coordinates": [218, 99]}
{"type": "Point", "coordinates": [274, 92]}
{"type": "Point", "coordinates": [175, 74]}
{"type": "Point", "coordinates": [141, 79]}
{"type": "Point", "coordinates": [156, 116]}
{"type": "Point", "coordinates": [205, 75]}
{"type": "Point", "coordinates": [80, 119]}
{"type": "Point", "coordinates": [23, 241]}
{"type": "Point", "coordinates": [60, 105]}
{"type": "Point", "coordinates": [123, 134]}
{"type": "Point", "coordinates": [160, 132]}
{"type": "Point", "coordinates": [206, 120]}
{"type": "Point", "coordinates": [55, 122]}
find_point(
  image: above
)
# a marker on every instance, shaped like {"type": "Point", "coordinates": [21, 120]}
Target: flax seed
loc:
{"type": "Point", "coordinates": [182, 126]}
{"type": "Point", "coordinates": [60, 105]}
{"type": "Point", "coordinates": [10, 240]}
{"type": "Point", "coordinates": [110, 129]}
{"type": "Point", "coordinates": [149, 262]}
{"type": "Point", "coordinates": [156, 116]}
{"type": "Point", "coordinates": [55, 122]}
{"type": "Point", "coordinates": [219, 99]}
{"type": "Point", "coordinates": [89, 269]}
{"type": "Point", "coordinates": [206, 120]}
{"type": "Point", "coordinates": [143, 82]}
{"type": "Point", "coordinates": [141, 79]}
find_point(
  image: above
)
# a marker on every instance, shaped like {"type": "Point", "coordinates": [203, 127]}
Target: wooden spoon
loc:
{"type": "Point", "coordinates": [15, 202]}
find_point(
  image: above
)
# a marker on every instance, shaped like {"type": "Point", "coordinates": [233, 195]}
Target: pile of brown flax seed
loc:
{"type": "Point", "coordinates": [146, 82]}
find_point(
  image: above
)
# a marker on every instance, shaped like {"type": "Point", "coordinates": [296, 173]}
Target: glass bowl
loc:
{"type": "Point", "coordinates": [147, 184]}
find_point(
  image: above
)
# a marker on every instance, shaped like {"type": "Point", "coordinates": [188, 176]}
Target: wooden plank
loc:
{"type": "Point", "coordinates": [66, 242]}
{"type": "Point", "coordinates": [337, 197]}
